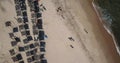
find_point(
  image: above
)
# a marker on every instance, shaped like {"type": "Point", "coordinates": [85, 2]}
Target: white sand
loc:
{"type": "Point", "coordinates": [79, 18]}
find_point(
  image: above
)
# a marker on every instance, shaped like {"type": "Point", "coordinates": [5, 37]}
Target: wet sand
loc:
{"type": "Point", "coordinates": [108, 34]}
{"type": "Point", "coordinates": [108, 43]}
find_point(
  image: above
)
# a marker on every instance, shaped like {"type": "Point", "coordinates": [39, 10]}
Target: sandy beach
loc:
{"type": "Point", "coordinates": [63, 19]}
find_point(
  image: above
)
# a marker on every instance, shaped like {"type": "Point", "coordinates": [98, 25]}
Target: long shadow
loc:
{"type": "Point", "coordinates": [10, 1]}
{"type": "Point", "coordinates": [2, 8]}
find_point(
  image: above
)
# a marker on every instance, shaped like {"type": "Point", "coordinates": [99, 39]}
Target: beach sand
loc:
{"type": "Point", "coordinates": [77, 19]}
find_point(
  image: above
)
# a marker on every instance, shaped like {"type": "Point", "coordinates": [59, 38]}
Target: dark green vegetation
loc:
{"type": "Point", "coordinates": [112, 7]}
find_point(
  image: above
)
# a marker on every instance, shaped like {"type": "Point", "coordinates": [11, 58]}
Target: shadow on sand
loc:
{"type": "Point", "coordinates": [2, 8]}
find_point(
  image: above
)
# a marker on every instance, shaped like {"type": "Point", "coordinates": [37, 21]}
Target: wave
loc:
{"type": "Point", "coordinates": [106, 20]}
{"type": "Point", "coordinates": [103, 16]}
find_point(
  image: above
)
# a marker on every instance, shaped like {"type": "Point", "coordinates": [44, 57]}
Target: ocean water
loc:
{"type": "Point", "coordinates": [110, 14]}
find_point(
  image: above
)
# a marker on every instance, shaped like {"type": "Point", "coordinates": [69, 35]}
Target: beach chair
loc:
{"type": "Point", "coordinates": [39, 15]}
{"type": "Point", "coordinates": [28, 53]}
{"type": "Point", "coordinates": [19, 20]}
{"type": "Point", "coordinates": [11, 35]}
{"type": "Point", "coordinates": [15, 29]}
{"type": "Point", "coordinates": [33, 15]}
{"type": "Point", "coordinates": [17, 7]}
{"type": "Point", "coordinates": [36, 56]}
{"type": "Point", "coordinates": [24, 13]}
{"type": "Point", "coordinates": [13, 43]}
{"type": "Point", "coordinates": [42, 49]}
{"type": "Point", "coordinates": [43, 61]}
{"type": "Point", "coordinates": [35, 32]}
{"type": "Point", "coordinates": [42, 56]}
{"type": "Point", "coordinates": [25, 41]}
{"type": "Point", "coordinates": [21, 61]}
{"type": "Point", "coordinates": [39, 22]}
{"type": "Point", "coordinates": [29, 38]}
{"type": "Point", "coordinates": [8, 23]}
{"type": "Point", "coordinates": [21, 27]}
{"type": "Point", "coordinates": [41, 35]}
{"type": "Point", "coordinates": [21, 49]}
{"type": "Point", "coordinates": [14, 58]}
{"type": "Point", "coordinates": [33, 58]}
{"type": "Point", "coordinates": [32, 52]}
{"type": "Point", "coordinates": [36, 44]}
{"type": "Point", "coordinates": [25, 19]}
{"type": "Point", "coordinates": [27, 32]}
{"type": "Point", "coordinates": [29, 60]}
{"type": "Point", "coordinates": [37, 61]}
{"type": "Point", "coordinates": [19, 56]}
{"type": "Point", "coordinates": [12, 52]}
{"type": "Point", "coordinates": [23, 6]}
{"type": "Point", "coordinates": [19, 13]}
{"type": "Point", "coordinates": [32, 46]}
{"type": "Point", "coordinates": [17, 39]}
{"type": "Point", "coordinates": [23, 33]}
{"type": "Point", "coordinates": [39, 26]}
{"type": "Point", "coordinates": [27, 47]}
{"type": "Point", "coordinates": [42, 44]}
{"type": "Point", "coordinates": [26, 26]}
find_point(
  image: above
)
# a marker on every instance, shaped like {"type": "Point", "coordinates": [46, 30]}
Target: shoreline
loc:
{"type": "Point", "coordinates": [105, 26]}
{"type": "Point", "coordinates": [92, 43]}
{"type": "Point", "coordinates": [102, 40]}
{"type": "Point", "coordinates": [112, 49]}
